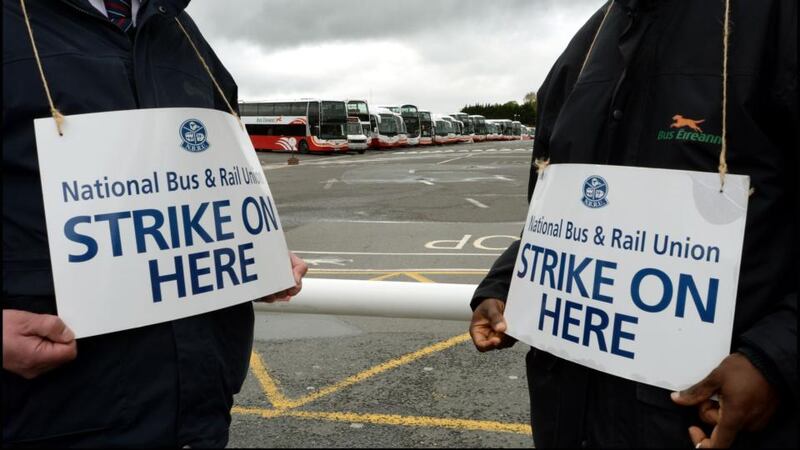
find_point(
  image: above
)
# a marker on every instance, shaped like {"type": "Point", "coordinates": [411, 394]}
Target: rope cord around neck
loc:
{"type": "Point", "coordinates": [57, 116]}
{"type": "Point", "coordinates": [542, 163]}
{"type": "Point", "coordinates": [210, 74]}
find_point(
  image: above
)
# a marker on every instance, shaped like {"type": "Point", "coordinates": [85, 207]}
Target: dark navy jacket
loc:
{"type": "Point", "coordinates": [168, 384]}
{"type": "Point", "coordinates": [651, 61]}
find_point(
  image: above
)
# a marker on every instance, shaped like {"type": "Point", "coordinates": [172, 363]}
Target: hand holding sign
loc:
{"type": "Point", "coordinates": [488, 327]}
{"type": "Point", "coordinates": [299, 269]}
{"type": "Point", "coordinates": [746, 402]}
{"type": "Point", "coordinates": [35, 343]}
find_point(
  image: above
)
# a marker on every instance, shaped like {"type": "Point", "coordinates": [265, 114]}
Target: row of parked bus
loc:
{"type": "Point", "coordinates": [313, 125]}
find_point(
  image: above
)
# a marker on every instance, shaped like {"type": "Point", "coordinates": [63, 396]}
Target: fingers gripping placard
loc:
{"type": "Point", "coordinates": [631, 271]}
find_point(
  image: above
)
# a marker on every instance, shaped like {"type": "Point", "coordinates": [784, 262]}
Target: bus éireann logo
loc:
{"type": "Point", "coordinates": [683, 129]}
{"type": "Point", "coordinates": [595, 191]}
{"type": "Point", "coordinates": [194, 136]}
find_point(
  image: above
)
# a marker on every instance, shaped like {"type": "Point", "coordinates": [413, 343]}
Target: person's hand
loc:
{"type": "Point", "coordinates": [746, 402]}
{"type": "Point", "coordinates": [35, 343]}
{"type": "Point", "coordinates": [299, 269]}
{"type": "Point", "coordinates": [488, 327]}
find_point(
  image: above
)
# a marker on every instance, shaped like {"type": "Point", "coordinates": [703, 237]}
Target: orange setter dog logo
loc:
{"type": "Point", "coordinates": [681, 122]}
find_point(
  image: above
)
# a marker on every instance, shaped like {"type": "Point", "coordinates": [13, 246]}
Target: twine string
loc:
{"type": "Point", "coordinates": [57, 116]}
{"type": "Point", "coordinates": [210, 74]}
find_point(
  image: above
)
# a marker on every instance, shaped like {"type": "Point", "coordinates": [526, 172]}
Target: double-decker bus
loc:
{"type": "Point", "coordinates": [391, 129]}
{"type": "Point", "coordinates": [425, 128]}
{"type": "Point", "coordinates": [479, 124]}
{"type": "Point", "coordinates": [459, 127]}
{"type": "Point", "coordinates": [360, 109]}
{"type": "Point", "coordinates": [410, 115]}
{"type": "Point", "coordinates": [469, 126]}
{"type": "Point", "coordinates": [303, 126]}
{"type": "Point", "coordinates": [356, 138]}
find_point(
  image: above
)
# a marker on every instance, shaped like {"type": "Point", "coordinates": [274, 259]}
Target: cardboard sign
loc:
{"type": "Point", "coordinates": [155, 215]}
{"type": "Point", "coordinates": [631, 271]}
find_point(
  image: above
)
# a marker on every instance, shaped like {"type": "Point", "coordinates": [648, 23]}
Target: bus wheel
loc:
{"type": "Point", "coordinates": [302, 147]}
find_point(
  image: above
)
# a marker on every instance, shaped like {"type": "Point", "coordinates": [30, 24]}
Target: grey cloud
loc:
{"type": "Point", "coordinates": [276, 24]}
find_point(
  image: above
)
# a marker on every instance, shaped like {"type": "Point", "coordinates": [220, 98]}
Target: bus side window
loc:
{"type": "Point", "coordinates": [267, 109]}
{"type": "Point", "coordinates": [298, 109]}
{"type": "Point", "coordinates": [313, 118]}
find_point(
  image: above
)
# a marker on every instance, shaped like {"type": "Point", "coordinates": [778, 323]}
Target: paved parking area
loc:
{"type": "Point", "coordinates": [439, 214]}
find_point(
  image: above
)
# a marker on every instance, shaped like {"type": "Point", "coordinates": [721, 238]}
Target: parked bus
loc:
{"type": "Point", "coordinates": [297, 126]}
{"type": "Point", "coordinates": [469, 126]}
{"type": "Point", "coordinates": [459, 127]}
{"type": "Point", "coordinates": [391, 129]}
{"type": "Point", "coordinates": [374, 123]}
{"type": "Point", "coordinates": [356, 138]}
{"type": "Point", "coordinates": [394, 109]}
{"type": "Point", "coordinates": [426, 130]}
{"type": "Point", "coordinates": [444, 131]}
{"type": "Point", "coordinates": [360, 109]}
{"type": "Point", "coordinates": [493, 131]}
{"type": "Point", "coordinates": [410, 115]}
{"type": "Point", "coordinates": [479, 124]}
{"type": "Point", "coordinates": [516, 130]}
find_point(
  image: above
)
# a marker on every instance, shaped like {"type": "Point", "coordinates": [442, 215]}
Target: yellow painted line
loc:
{"type": "Point", "coordinates": [268, 384]}
{"type": "Point", "coordinates": [418, 277]}
{"type": "Point", "coordinates": [380, 368]}
{"type": "Point", "coordinates": [385, 276]}
{"type": "Point", "coordinates": [392, 419]}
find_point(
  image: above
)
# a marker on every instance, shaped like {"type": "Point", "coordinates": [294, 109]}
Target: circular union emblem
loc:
{"type": "Point", "coordinates": [595, 191]}
{"type": "Point", "coordinates": [194, 136]}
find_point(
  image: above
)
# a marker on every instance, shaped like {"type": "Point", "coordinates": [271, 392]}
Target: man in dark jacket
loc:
{"type": "Point", "coordinates": [654, 68]}
{"type": "Point", "coordinates": [170, 384]}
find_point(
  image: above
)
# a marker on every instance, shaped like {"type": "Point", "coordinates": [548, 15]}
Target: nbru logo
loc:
{"type": "Point", "coordinates": [194, 136]}
{"type": "Point", "coordinates": [595, 191]}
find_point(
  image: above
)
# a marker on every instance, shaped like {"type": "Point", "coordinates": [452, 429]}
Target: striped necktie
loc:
{"type": "Point", "coordinates": [120, 13]}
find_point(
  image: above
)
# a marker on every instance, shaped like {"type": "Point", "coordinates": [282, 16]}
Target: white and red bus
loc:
{"type": "Point", "coordinates": [360, 109]}
{"type": "Point", "coordinates": [410, 115]}
{"type": "Point", "coordinates": [479, 124]}
{"type": "Point", "coordinates": [458, 128]}
{"type": "Point", "coordinates": [444, 130]}
{"type": "Point", "coordinates": [516, 130]}
{"type": "Point", "coordinates": [391, 129]}
{"type": "Point", "coordinates": [469, 125]}
{"type": "Point", "coordinates": [303, 126]}
{"type": "Point", "coordinates": [356, 138]}
{"type": "Point", "coordinates": [426, 128]}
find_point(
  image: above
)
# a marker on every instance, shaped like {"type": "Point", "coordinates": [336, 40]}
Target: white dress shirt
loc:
{"type": "Point", "coordinates": [100, 5]}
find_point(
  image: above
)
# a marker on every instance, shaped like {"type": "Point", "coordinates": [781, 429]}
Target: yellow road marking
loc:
{"type": "Point", "coordinates": [417, 276]}
{"type": "Point", "coordinates": [383, 277]}
{"type": "Point", "coordinates": [392, 419]}
{"type": "Point", "coordinates": [380, 368]}
{"type": "Point", "coordinates": [268, 385]}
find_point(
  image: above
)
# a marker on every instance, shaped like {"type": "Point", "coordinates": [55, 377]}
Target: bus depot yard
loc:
{"type": "Point", "coordinates": [420, 214]}
{"type": "Point", "coordinates": [336, 126]}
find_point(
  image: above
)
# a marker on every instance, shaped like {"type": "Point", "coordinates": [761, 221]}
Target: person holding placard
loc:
{"type": "Point", "coordinates": [706, 90]}
{"type": "Point", "coordinates": [138, 236]}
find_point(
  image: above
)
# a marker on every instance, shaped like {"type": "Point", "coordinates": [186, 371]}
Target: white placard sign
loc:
{"type": "Point", "coordinates": [631, 271]}
{"type": "Point", "coordinates": [155, 215]}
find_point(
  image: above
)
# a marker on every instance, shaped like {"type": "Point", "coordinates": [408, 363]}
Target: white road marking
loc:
{"type": "Point", "coordinates": [330, 261]}
{"type": "Point", "coordinates": [330, 183]}
{"type": "Point", "coordinates": [476, 203]}
{"type": "Point", "coordinates": [426, 182]}
{"type": "Point", "coordinates": [453, 159]}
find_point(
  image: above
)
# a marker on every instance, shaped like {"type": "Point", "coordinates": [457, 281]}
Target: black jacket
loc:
{"type": "Point", "coordinates": [168, 384]}
{"type": "Point", "coordinates": [653, 60]}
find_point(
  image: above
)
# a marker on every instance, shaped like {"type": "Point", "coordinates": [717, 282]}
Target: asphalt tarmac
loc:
{"type": "Point", "coordinates": [434, 214]}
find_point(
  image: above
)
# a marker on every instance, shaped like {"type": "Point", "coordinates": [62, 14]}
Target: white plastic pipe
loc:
{"type": "Point", "coordinates": [379, 299]}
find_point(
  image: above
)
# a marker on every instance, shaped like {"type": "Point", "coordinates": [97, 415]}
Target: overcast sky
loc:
{"type": "Point", "coordinates": [437, 54]}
